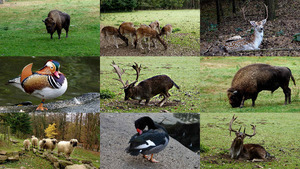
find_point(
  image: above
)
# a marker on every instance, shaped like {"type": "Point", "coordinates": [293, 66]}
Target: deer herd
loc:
{"type": "Point", "coordinates": [129, 34]}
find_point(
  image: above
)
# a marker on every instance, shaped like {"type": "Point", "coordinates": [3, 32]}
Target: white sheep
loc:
{"type": "Point", "coordinates": [41, 144]}
{"type": "Point", "coordinates": [26, 144]}
{"type": "Point", "coordinates": [48, 144]}
{"type": "Point", "coordinates": [66, 147]}
{"type": "Point", "coordinates": [34, 141]}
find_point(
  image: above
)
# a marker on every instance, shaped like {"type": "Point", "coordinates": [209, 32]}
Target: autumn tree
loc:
{"type": "Point", "coordinates": [51, 131]}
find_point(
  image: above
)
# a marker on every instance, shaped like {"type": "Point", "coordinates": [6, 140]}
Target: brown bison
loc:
{"type": "Point", "coordinates": [252, 79]}
{"type": "Point", "coordinates": [57, 20]}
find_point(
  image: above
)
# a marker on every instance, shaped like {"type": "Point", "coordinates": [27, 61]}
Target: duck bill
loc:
{"type": "Point", "coordinates": [44, 71]}
{"type": "Point", "coordinates": [56, 73]}
{"type": "Point", "coordinates": [139, 131]}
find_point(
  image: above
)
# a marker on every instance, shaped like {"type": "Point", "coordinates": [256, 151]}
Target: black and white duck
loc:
{"type": "Point", "coordinates": [150, 141]}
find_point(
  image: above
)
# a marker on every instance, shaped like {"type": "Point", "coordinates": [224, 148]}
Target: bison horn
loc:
{"type": "Point", "coordinates": [235, 92]}
{"type": "Point", "coordinates": [43, 21]}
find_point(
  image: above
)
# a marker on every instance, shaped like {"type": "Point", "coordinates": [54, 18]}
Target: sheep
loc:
{"type": "Point", "coordinates": [48, 144]}
{"type": "Point", "coordinates": [66, 147]}
{"type": "Point", "coordinates": [34, 141]}
{"type": "Point", "coordinates": [26, 144]}
{"type": "Point", "coordinates": [41, 144]}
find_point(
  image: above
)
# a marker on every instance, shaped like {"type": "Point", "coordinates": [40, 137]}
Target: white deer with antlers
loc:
{"type": "Point", "coordinates": [249, 43]}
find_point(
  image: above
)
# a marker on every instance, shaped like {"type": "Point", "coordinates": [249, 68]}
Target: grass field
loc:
{"type": "Point", "coordinates": [182, 70]}
{"type": "Point", "coordinates": [187, 21]}
{"type": "Point", "coordinates": [30, 160]}
{"type": "Point", "coordinates": [218, 72]}
{"type": "Point", "coordinates": [22, 32]}
{"type": "Point", "coordinates": [276, 132]}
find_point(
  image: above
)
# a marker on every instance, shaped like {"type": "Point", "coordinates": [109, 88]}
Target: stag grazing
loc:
{"type": "Point", "coordinates": [166, 30]}
{"type": "Point", "coordinates": [109, 31]}
{"type": "Point", "coordinates": [149, 33]}
{"type": "Point", "coordinates": [148, 88]}
{"type": "Point", "coordinates": [248, 43]}
{"type": "Point", "coordinates": [155, 26]}
{"type": "Point", "coordinates": [239, 150]}
{"type": "Point", "coordinates": [127, 31]}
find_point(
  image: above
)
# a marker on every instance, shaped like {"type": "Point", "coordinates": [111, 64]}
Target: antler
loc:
{"type": "Point", "coordinates": [120, 72]}
{"type": "Point", "coordinates": [253, 128]}
{"type": "Point", "coordinates": [266, 11]}
{"type": "Point", "coordinates": [243, 10]}
{"type": "Point", "coordinates": [230, 124]}
{"type": "Point", "coordinates": [137, 69]}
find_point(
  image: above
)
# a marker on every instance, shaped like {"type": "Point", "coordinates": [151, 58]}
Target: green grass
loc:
{"type": "Point", "coordinates": [184, 71]}
{"type": "Point", "coordinates": [22, 32]}
{"type": "Point", "coordinates": [277, 133]}
{"type": "Point", "coordinates": [187, 21]}
{"type": "Point", "coordinates": [219, 72]}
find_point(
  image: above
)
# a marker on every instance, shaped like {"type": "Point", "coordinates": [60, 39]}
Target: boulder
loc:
{"type": "Point", "coordinates": [76, 166]}
{"type": "Point", "coordinates": [64, 163]}
{"type": "Point", "coordinates": [51, 158]}
{"type": "Point", "coordinates": [2, 152]}
{"type": "Point", "coordinates": [14, 158]}
{"type": "Point", "coordinates": [3, 159]}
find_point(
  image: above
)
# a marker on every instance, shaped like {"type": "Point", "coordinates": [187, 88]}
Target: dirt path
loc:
{"type": "Point", "coordinates": [117, 128]}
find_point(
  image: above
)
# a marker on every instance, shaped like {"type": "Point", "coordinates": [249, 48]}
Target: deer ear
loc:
{"type": "Point", "coordinates": [253, 23]}
{"type": "Point", "coordinates": [264, 21]}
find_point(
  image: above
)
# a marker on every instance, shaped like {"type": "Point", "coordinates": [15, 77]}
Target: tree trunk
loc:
{"type": "Point", "coordinates": [218, 12]}
{"type": "Point", "coordinates": [271, 9]}
{"type": "Point", "coordinates": [233, 7]}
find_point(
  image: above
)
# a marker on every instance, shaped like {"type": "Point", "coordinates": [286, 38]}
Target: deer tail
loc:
{"type": "Point", "coordinates": [162, 41]}
{"type": "Point", "coordinates": [292, 77]}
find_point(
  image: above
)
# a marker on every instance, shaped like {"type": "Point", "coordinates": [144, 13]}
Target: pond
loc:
{"type": "Point", "coordinates": [82, 74]}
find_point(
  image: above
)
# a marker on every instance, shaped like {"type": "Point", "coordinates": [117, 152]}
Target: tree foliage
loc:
{"type": "Point", "coordinates": [18, 122]}
{"type": "Point", "coordinates": [51, 131]}
{"type": "Point", "coordinates": [129, 5]}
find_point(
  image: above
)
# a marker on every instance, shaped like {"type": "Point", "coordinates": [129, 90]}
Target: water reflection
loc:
{"type": "Point", "coordinates": [82, 74]}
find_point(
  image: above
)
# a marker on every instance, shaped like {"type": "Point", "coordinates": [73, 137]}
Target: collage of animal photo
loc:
{"type": "Point", "coordinates": [249, 99]}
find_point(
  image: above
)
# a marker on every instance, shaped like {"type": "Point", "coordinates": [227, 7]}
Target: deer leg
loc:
{"type": "Point", "coordinates": [149, 45]}
{"type": "Point", "coordinates": [116, 43]}
{"type": "Point", "coordinates": [147, 102]}
{"type": "Point", "coordinates": [163, 101]}
{"type": "Point", "coordinates": [139, 41]}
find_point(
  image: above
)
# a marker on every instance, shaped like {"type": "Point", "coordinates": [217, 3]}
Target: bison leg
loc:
{"type": "Point", "coordinates": [58, 32]}
{"type": "Point", "coordinates": [253, 100]}
{"type": "Point", "coordinates": [51, 35]}
{"type": "Point", "coordinates": [67, 30]}
{"type": "Point", "coordinates": [242, 103]}
{"type": "Point", "coordinates": [287, 94]}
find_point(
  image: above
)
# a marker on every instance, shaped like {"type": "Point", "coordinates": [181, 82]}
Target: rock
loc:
{"type": "Point", "coordinates": [64, 164]}
{"type": "Point", "coordinates": [51, 158]}
{"type": "Point", "coordinates": [56, 165]}
{"type": "Point", "coordinates": [2, 152]}
{"type": "Point", "coordinates": [14, 158]}
{"type": "Point", "coordinates": [76, 166]}
{"type": "Point", "coordinates": [3, 159]}
{"type": "Point", "coordinates": [22, 151]}
{"type": "Point", "coordinates": [22, 167]}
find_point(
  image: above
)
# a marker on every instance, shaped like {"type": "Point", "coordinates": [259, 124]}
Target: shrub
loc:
{"type": "Point", "coordinates": [203, 148]}
{"type": "Point", "coordinates": [106, 94]}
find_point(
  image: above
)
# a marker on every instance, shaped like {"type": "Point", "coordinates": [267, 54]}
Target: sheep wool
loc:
{"type": "Point", "coordinates": [26, 144]}
{"type": "Point", "coordinates": [67, 147]}
{"type": "Point", "coordinates": [34, 141]}
{"type": "Point", "coordinates": [49, 144]}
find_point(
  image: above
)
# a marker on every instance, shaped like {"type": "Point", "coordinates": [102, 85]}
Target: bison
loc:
{"type": "Point", "coordinates": [252, 79]}
{"type": "Point", "coordinates": [57, 20]}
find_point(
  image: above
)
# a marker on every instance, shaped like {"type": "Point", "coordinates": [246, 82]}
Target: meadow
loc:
{"type": "Point", "coordinates": [218, 72]}
{"type": "Point", "coordinates": [276, 132]}
{"type": "Point", "coordinates": [182, 70]}
{"type": "Point", "coordinates": [185, 39]}
{"type": "Point", "coordinates": [30, 160]}
{"type": "Point", "coordinates": [22, 32]}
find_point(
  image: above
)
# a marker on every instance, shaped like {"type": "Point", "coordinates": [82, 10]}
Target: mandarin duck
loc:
{"type": "Point", "coordinates": [151, 141]}
{"type": "Point", "coordinates": [46, 83]}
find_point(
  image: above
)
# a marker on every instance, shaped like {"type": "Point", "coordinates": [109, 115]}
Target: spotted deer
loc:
{"type": "Point", "coordinates": [146, 89]}
{"type": "Point", "coordinates": [249, 43]}
{"type": "Point", "coordinates": [127, 31]}
{"type": "Point", "coordinates": [155, 25]}
{"type": "Point", "coordinates": [109, 31]}
{"type": "Point", "coordinates": [239, 150]}
{"type": "Point", "coordinates": [149, 33]}
{"type": "Point", "coordinates": [166, 30]}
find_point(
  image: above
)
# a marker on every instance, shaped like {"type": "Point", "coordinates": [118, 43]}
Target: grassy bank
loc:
{"type": "Point", "coordinates": [186, 22]}
{"type": "Point", "coordinates": [276, 132]}
{"type": "Point", "coordinates": [219, 72]}
{"type": "Point", "coordinates": [183, 70]}
{"type": "Point", "coordinates": [22, 32]}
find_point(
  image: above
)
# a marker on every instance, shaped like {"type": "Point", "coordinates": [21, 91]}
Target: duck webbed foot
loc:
{"type": "Point", "coordinates": [40, 107]}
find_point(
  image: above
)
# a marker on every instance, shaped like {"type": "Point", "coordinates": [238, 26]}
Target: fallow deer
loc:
{"type": "Point", "coordinates": [239, 150]}
{"type": "Point", "coordinates": [109, 31]}
{"type": "Point", "coordinates": [146, 32]}
{"type": "Point", "coordinates": [146, 89]}
{"type": "Point", "coordinates": [248, 43]}
{"type": "Point", "coordinates": [166, 30]}
{"type": "Point", "coordinates": [155, 25]}
{"type": "Point", "coordinates": [127, 30]}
